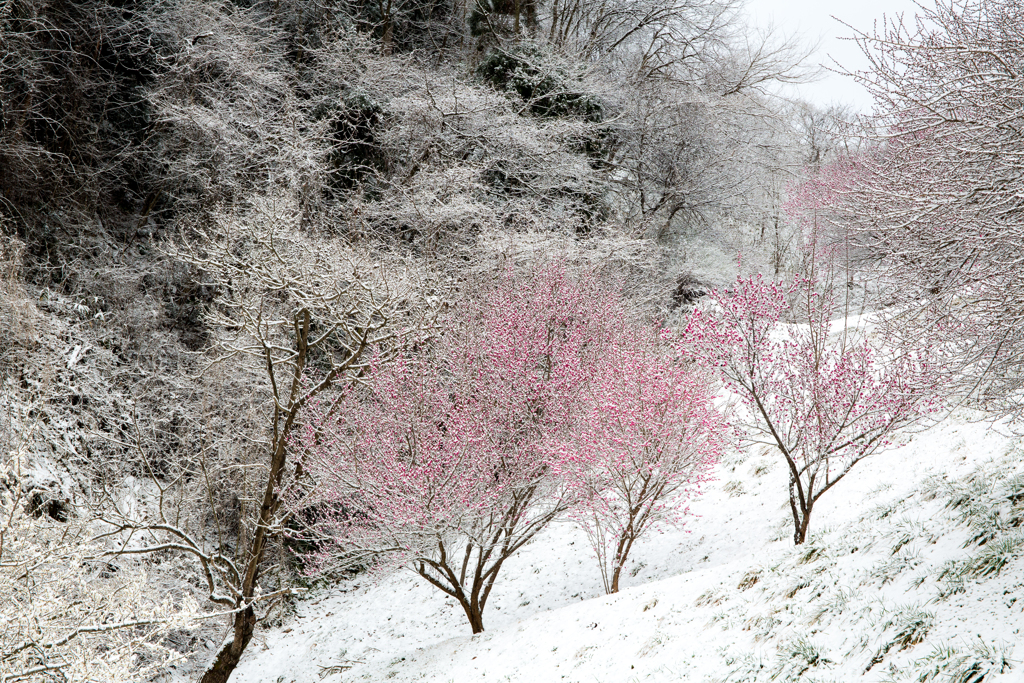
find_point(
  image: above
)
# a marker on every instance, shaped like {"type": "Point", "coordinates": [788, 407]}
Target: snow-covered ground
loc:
{"type": "Point", "coordinates": [913, 572]}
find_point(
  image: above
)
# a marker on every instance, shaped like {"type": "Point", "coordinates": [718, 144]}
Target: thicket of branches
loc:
{"type": "Point", "coordinates": [930, 203]}
{"type": "Point", "coordinates": [157, 159]}
{"type": "Point", "coordinates": [69, 613]}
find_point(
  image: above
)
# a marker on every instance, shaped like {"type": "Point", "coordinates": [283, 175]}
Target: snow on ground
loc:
{"type": "Point", "coordinates": [913, 572]}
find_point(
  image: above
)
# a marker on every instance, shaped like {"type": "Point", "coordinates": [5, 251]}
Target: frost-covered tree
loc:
{"type": "Point", "coordinates": [296, 316]}
{"type": "Point", "coordinates": [933, 202]}
{"type": "Point", "coordinates": [69, 612]}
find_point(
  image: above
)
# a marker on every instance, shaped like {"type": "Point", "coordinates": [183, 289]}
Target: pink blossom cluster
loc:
{"type": "Point", "coordinates": [538, 397]}
{"type": "Point", "coordinates": [650, 439]}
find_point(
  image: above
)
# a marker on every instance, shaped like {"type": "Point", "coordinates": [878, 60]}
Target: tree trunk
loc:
{"type": "Point", "coordinates": [475, 616]}
{"type": "Point", "coordinates": [621, 554]}
{"type": "Point", "coordinates": [245, 620]}
{"type": "Point", "coordinates": [800, 504]}
{"type": "Point", "coordinates": [801, 521]}
{"type": "Point", "coordinates": [231, 652]}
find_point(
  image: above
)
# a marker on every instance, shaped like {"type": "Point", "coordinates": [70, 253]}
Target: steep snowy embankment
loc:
{"type": "Point", "coordinates": [913, 572]}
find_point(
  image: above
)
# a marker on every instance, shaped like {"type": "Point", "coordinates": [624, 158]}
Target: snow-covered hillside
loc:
{"type": "Point", "coordinates": [913, 572]}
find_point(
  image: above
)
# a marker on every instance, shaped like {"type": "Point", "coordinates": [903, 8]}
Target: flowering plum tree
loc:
{"type": "Point", "coordinates": [823, 397]}
{"type": "Point", "coordinates": [449, 461]}
{"type": "Point", "coordinates": [652, 435]}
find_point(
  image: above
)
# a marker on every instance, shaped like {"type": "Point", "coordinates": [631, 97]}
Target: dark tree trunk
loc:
{"type": "Point", "coordinates": [475, 616]}
{"type": "Point", "coordinates": [800, 504]}
{"type": "Point", "coordinates": [800, 528]}
{"type": "Point", "coordinates": [284, 419]}
{"type": "Point", "coordinates": [231, 652]}
{"type": "Point", "coordinates": [621, 554]}
{"type": "Point", "coordinates": [801, 519]}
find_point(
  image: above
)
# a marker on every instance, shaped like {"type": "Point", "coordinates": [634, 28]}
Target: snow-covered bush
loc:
{"type": "Point", "coordinates": [70, 612]}
{"type": "Point", "coordinates": [544, 85]}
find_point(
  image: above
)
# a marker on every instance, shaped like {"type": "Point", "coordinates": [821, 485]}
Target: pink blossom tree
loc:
{"type": "Point", "coordinates": [817, 391]}
{"type": "Point", "coordinates": [651, 437]}
{"type": "Point", "coordinates": [450, 459]}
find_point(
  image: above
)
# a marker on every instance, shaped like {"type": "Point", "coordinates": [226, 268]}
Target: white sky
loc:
{"type": "Point", "coordinates": [813, 20]}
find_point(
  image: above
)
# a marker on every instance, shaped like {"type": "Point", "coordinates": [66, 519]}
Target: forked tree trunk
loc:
{"type": "Point", "coordinates": [639, 517]}
{"type": "Point", "coordinates": [621, 554]}
{"type": "Point", "coordinates": [454, 584]}
{"type": "Point", "coordinates": [801, 510]}
{"type": "Point", "coordinates": [475, 616]}
{"type": "Point", "coordinates": [800, 530]}
{"type": "Point", "coordinates": [615, 579]}
{"type": "Point", "coordinates": [480, 590]}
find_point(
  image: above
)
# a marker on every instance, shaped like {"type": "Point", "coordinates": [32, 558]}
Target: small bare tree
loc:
{"type": "Point", "coordinates": [302, 311]}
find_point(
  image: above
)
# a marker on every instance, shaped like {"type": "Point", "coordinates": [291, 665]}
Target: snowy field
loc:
{"type": "Point", "coordinates": [912, 572]}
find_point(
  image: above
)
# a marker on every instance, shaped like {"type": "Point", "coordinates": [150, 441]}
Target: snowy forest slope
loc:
{"type": "Point", "coordinates": [914, 574]}
{"type": "Point", "coordinates": [217, 216]}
